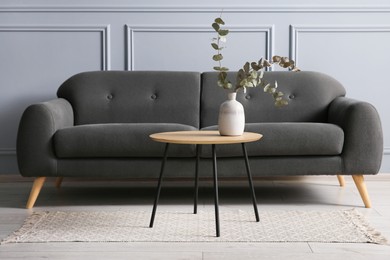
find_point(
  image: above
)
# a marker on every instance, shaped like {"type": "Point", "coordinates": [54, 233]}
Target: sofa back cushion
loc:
{"type": "Point", "coordinates": [308, 93]}
{"type": "Point", "coordinates": [133, 97]}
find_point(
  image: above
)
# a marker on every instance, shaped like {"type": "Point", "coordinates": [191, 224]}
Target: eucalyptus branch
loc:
{"type": "Point", "coordinates": [251, 74]}
{"type": "Point", "coordinates": [216, 44]}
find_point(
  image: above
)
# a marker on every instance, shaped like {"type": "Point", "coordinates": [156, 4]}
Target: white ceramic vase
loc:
{"type": "Point", "coordinates": [231, 120]}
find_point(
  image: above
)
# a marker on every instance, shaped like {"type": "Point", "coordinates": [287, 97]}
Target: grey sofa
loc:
{"type": "Point", "coordinates": [99, 126]}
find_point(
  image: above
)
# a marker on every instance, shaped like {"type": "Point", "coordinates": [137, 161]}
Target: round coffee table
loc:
{"type": "Point", "coordinates": [201, 138]}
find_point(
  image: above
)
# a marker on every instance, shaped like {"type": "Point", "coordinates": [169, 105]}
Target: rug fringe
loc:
{"type": "Point", "coordinates": [33, 220]}
{"type": "Point", "coordinates": [361, 223]}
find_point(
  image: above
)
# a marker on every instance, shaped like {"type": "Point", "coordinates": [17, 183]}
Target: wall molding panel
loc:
{"type": "Point", "coordinates": [104, 30]}
{"type": "Point", "coordinates": [131, 32]}
{"type": "Point", "coordinates": [297, 30]}
{"type": "Point", "coordinates": [104, 42]}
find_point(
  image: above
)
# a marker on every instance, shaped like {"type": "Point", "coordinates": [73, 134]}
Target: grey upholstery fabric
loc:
{"type": "Point", "coordinates": [37, 126]}
{"type": "Point", "coordinates": [286, 139]}
{"type": "Point", "coordinates": [279, 166]}
{"type": "Point", "coordinates": [134, 97]}
{"type": "Point", "coordinates": [126, 167]}
{"type": "Point", "coordinates": [117, 140]}
{"type": "Point", "coordinates": [363, 146]}
{"type": "Point", "coordinates": [185, 167]}
{"type": "Point", "coordinates": [309, 95]}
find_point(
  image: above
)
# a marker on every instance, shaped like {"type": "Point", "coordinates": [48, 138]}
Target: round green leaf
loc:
{"type": "Point", "coordinates": [223, 32]}
{"type": "Point", "coordinates": [219, 21]}
{"type": "Point", "coordinates": [215, 26]}
{"type": "Point", "coordinates": [217, 57]}
{"type": "Point", "coordinates": [215, 46]}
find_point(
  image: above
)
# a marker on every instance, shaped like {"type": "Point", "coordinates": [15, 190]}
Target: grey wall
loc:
{"type": "Point", "coordinates": [42, 43]}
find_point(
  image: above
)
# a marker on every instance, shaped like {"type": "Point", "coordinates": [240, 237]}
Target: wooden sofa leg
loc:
{"type": "Point", "coordinates": [36, 188]}
{"type": "Point", "coordinates": [361, 186]}
{"type": "Point", "coordinates": [58, 182]}
{"type": "Point", "coordinates": [341, 180]}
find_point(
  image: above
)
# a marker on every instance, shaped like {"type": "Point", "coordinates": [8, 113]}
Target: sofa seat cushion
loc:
{"type": "Point", "coordinates": [286, 139]}
{"type": "Point", "coordinates": [117, 140]}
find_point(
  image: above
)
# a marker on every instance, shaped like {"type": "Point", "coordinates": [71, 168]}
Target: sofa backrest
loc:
{"type": "Point", "coordinates": [308, 93]}
{"type": "Point", "coordinates": [133, 97]}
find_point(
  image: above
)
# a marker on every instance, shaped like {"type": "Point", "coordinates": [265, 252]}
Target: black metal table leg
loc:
{"type": "Point", "coordinates": [159, 185]}
{"type": "Point", "coordinates": [248, 170]}
{"type": "Point", "coordinates": [216, 190]}
{"type": "Point", "coordinates": [196, 178]}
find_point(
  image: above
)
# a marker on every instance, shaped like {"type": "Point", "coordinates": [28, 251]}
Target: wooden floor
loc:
{"type": "Point", "coordinates": [301, 194]}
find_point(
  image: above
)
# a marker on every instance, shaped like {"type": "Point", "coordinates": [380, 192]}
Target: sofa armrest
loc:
{"type": "Point", "coordinates": [39, 122]}
{"type": "Point", "coordinates": [363, 141]}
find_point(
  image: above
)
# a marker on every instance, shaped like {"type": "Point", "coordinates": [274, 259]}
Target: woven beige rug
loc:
{"type": "Point", "coordinates": [346, 226]}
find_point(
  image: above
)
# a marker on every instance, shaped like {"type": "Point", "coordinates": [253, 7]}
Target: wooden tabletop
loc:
{"type": "Point", "coordinates": [203, 137]}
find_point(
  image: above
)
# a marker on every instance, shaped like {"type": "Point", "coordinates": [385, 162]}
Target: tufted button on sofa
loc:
{"type": "Point", "coordinates": [99, 126]}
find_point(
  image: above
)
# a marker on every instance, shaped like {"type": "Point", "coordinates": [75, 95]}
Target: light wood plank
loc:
{"type": "Point", "coordinates": [36, 188]}
{"type": "Point", "coordinates": [274, 248]}
{"type": "Point", "coordinates": [290, 256]}
{"type": "Point", "coordinates": [69, 255]}
{"type": "Point", "coordinates": [361, 186]}
{"type": "Point", "coordinates": [339, 248]}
